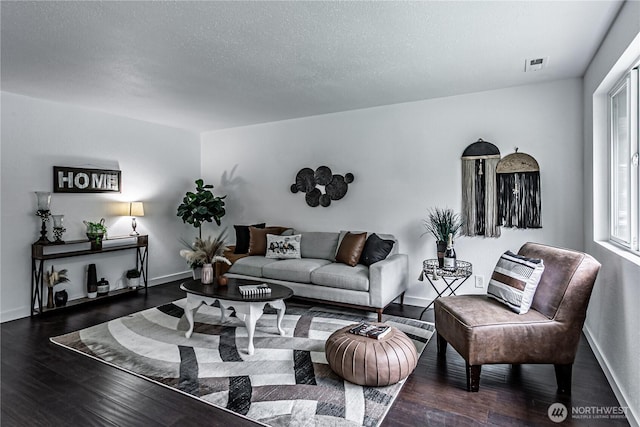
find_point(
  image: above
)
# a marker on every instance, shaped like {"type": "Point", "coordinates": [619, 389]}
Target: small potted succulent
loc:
{"type": "Point", "coordinates": [133, 276]}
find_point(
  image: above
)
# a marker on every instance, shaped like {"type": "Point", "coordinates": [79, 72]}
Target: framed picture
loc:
{"type": "Point", "coordinates": [83, 180]}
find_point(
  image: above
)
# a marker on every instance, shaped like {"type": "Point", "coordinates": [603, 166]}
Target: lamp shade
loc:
{"type": "Point", "coordinates": [136, 209]}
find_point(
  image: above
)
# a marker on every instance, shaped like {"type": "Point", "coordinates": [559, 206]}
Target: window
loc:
{"type": "Point", "coordinates": [624, 147]}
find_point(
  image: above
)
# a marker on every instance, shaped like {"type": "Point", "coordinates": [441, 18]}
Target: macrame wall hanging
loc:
{"type": "Point", "coordinates": [519, 198]}
{"type": "Point", "coordinates": [479, 195]}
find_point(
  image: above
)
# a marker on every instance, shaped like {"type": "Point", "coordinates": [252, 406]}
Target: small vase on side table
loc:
{"type": "Point", "coordinates": [207, 274]}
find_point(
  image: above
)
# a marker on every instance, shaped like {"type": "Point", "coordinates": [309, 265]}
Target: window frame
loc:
{"type": "Point", "coordinates": [629, 83]}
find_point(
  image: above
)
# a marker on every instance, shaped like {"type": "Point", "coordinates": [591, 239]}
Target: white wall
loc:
{"type": "Point", "coordinates": [406, 159]}
{"type": "Point", "coordinates": [613, 316]}
{"type": "Point", "coordinates": [158, 165]}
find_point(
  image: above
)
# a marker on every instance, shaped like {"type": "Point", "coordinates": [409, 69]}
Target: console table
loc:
{"type": "Point", "coordinates": [452, 279]}
{"type": "Point", "coordinates": [40, 253]}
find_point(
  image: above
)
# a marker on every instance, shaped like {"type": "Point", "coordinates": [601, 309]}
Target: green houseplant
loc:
{"type": "Point", "coordinates": [440, 223]}
{"type": "Point", "coordinates": [201, 206]}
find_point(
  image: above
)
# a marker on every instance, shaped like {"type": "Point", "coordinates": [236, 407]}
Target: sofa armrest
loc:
{"type": "Point", "coordinates": [221, 267]}
{"type": "Point", "coordinates": [388, 279]}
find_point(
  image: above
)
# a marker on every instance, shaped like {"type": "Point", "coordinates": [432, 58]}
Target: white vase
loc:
{"type": "Point", "coordinates": [207, 274]}
{"type": "Point", "coordinates": [134, 282]}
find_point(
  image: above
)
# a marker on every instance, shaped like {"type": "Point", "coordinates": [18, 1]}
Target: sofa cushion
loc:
{"type": "Point", "coordinates": [251, 265]}
{"type": "Point", "coordinates": [514, 281]}
{"type": "Point", "coordinates": [318, 244]}
{"type": "Point", "coordinates": [242, 237]}
{"type": "Point", "coordinates": [336, 275]}
{"type": "Point", "coordinates": [351, 248]}
{"type": "Point", "coordinates": [375, 249]}
{"type": "Point", "coordinates": [283, 247]}
{"type": "Point", "coordinates": [293, 270]}
{"type": "Point", "coordinates": [258, 238]}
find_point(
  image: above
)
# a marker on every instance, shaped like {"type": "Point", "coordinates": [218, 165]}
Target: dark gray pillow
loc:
{"type": "Point", "coordinates": [242, 237]}
{"type": "Point", "coordinates": [375, 249]}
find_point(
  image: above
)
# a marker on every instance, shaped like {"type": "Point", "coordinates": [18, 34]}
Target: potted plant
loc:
{"type": "Point", "coordinates": [440, 223]}
{"type": "Point", "coordinates": [133, 276]}
{"type": "Point", "coordinates": [96, 231]}
{"type": "Point", "coordinates": [201, 206]}
{"type": "Point", "coordinates": [205, 252]}
{"type": "Point", "coordinates": [52, 279]}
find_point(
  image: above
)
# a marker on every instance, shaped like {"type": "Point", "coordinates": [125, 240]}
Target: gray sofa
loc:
{"type": "Point", "coordinates": [317, 276]}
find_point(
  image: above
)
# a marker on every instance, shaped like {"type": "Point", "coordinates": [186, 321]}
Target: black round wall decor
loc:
{"type": "Point", "coordinates": [310, 182]}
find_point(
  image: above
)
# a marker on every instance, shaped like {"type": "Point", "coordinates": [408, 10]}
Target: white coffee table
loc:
{"type": "Point", "coordinates": [248, 309]}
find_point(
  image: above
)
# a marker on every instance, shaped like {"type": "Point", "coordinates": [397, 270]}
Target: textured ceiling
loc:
{"type": "Point", "coordinates": [212, 65]}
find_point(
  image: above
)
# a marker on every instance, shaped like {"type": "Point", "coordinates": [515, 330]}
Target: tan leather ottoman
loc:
{"type": "Point", "coordinates": [367, 361]}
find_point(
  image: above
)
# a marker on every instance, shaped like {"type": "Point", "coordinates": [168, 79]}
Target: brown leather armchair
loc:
{"type": "Point", "coordinates": [484, 331]}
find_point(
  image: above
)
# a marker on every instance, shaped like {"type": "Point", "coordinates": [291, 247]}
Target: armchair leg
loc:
{"type": "Point", "coordinates": [563, 378]}
{"type": "Point", "coordinates": [473, 377]}
{"type": "Point", "coordinates": [402, 300]}
{"type": "Point", "coordinates": [442, 346]}
{"type": "Point", "coordinates": [379, 311]}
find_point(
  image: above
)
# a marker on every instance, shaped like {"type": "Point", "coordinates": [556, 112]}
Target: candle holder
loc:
{"type": "Point", "coordinates": [43, 212]}
{"type": "Point", "coordinates": [58, 228]}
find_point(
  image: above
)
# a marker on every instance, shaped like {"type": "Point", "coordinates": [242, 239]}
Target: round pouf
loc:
{"type": "Point", "coordinates": [368, 361]}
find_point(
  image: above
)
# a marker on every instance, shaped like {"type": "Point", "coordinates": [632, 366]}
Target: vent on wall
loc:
{"type": "Point", "coordinates": [535, 64]}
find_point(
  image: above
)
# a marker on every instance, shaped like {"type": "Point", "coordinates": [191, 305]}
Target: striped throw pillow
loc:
{"type": "Point", "coordinates": [514, 281]}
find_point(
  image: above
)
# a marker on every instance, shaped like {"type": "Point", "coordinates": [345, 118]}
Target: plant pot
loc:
{"type": "Point", "coordinates": [61, 298]}
{"type": "Point", "coordinates": [197, 273]}
{"type": "Point", "coordinates": [441, 248]}
{"type": "Point", "coordinates": [96, 240]}
{"type": "Point", "coordinates": [134, 282]}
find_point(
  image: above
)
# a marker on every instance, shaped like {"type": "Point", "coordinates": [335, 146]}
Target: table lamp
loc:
{"type": "Point", "coordinates": [136, 209]}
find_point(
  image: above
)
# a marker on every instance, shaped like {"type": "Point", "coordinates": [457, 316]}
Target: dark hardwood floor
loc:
{"type": "Point", "coordinates": [45, 385]}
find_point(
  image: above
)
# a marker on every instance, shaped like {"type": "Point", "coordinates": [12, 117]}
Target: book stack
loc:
{"type": "Point", "coordinates": [254, 290]}
{"type": "Point", "coordinates": [372, 331]}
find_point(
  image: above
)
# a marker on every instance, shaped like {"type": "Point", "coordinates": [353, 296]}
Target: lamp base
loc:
{"type": "Point", "coordinates": [134, 225]}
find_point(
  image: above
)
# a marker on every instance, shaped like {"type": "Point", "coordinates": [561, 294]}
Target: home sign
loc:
{"type": "Point", "coordinates": [82, 180]}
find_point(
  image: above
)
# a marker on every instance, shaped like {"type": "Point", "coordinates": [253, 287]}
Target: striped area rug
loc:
{"type": "Point", "coordinates": [287, 382]}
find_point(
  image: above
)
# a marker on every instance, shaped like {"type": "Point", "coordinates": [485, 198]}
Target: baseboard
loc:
{"type": "Point", "coordinates": [417, 301]}
{"type": "Point", "coordinates": [160, 280]}
{"type": "Point", "coordinates": [632, 417]}
{"type": "Point", "coordinates": [16, 313]}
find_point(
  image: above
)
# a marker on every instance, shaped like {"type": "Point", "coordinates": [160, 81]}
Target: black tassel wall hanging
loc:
{"type": "Point", "coordinates": [479, 193]}
{"type": "Point", "coordinates": [519, 195]}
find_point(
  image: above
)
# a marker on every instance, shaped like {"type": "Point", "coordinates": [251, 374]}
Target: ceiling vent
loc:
{"type": "Point", "coordinates": [535, 64]}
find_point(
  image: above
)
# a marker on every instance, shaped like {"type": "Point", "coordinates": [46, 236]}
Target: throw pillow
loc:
{"type": "Point", "coordinates": [242, 237]}
{"type": "Point", "coordinates": [375, 249]}
{"type": "Point", "coordinates": [283, 247]}
{"type": "Point", "coordinates": [351, 248]}
{"type": "Point", "coordinates": [258, 238]}
{"type": "Point", "coordinates": [514, 281]}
